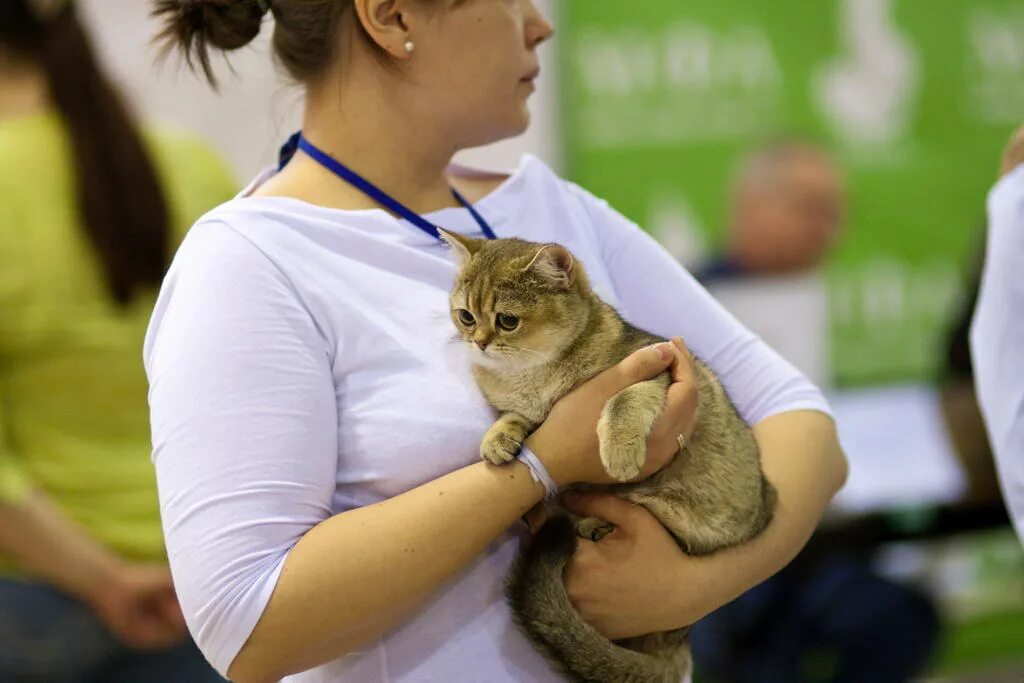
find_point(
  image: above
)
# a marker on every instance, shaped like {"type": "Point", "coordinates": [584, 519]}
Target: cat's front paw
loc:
{"type": "Point", "coordinates": [622, 453]}
{"type": "Point", "coordinates": [499, 446]}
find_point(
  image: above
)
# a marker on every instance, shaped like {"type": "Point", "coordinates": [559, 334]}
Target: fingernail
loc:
{"type": "Point", "coordinates": [664, 351]}
{"type": "Point", "coordinates": [678, 342]}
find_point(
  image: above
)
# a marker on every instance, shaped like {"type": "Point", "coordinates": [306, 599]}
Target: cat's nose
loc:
{"type": "Point", "coordinates": [482, 344]}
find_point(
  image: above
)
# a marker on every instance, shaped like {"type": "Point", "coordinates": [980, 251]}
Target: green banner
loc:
{"type": "Point", "coordinates": [916, 97]}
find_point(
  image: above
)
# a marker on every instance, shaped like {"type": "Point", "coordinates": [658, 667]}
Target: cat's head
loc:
{"type": "Point", "coordinates": [517, 303]}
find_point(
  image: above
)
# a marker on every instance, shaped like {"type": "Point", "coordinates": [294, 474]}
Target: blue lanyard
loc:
{"type": "Point", "coordinates": [298, 141]}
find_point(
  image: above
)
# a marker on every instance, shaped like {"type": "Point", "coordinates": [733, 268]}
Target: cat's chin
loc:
{"type": "Point", "coordinates": [486, 360]}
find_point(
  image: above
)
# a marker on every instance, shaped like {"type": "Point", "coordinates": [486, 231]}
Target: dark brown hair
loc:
{"type": "Point", "coordinates": [123, 209]}
{"type": "Point", "coordinates": [306, 32]}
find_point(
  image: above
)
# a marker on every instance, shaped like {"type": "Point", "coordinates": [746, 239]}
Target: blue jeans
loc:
{"type": "Point", "coordinates": [871, 629]}
{"type": "Point", "coordinates": [47, 636]}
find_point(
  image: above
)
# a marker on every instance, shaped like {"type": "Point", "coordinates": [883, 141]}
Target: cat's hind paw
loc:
{"type": "Point", "coordinates": [593, 528]}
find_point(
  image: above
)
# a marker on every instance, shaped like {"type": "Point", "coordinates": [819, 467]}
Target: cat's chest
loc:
{"type": "Point", "coordinates": [530, 394]}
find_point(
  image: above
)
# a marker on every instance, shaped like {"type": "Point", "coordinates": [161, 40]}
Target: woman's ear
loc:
{"type": "Point", "coordinates": [387, 24]}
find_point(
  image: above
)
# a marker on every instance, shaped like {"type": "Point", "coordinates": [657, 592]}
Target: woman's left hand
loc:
{"type": "Point", "coordinates": [635, 580]}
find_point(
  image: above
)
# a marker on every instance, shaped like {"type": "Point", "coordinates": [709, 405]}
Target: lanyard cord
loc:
{"type": "Point", "coordinates": [298, 141]}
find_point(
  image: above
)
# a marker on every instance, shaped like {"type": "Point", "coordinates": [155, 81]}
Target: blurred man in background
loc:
{"type": "Point", "coordinates": [827, 616]}
{"type": "Point", "coordinates": [788, 210]}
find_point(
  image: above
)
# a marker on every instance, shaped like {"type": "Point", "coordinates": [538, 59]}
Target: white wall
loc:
{"type": "Point", "coordinates": [256, 109]}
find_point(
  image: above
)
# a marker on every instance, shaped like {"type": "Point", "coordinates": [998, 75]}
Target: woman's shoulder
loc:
{"type": "Point", "coordinates": [219, 252]}
{"type": "Point", "coordinates": [260, 232]}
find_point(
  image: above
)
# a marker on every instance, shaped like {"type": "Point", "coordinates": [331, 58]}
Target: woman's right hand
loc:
{"type": "Point", "coordinates": [567, 440]}
{"type": "Point", "coordinates": [137, 603]}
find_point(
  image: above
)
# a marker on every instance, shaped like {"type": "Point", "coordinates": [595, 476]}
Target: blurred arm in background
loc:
{"type": "Point", "coordinates": [959, 402]}
{"type": "Point", "coordinates": [135, 601]}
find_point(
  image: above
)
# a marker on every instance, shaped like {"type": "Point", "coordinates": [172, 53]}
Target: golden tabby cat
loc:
{"type": "Point", "coordinates": [538, 331]}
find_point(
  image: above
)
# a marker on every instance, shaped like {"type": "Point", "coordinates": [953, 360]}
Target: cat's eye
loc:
{"type": "Point", "coordinates": [507, 322]}
{"type": "Point", "coordinates": [465, 317]}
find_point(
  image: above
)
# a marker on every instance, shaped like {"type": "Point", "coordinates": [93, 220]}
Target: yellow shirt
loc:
{"type": "Point", "coordinates": [73, 413]}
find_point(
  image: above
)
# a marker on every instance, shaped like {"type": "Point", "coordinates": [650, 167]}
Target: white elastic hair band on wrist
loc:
{"type": "Point", "coordinates": [538, 471]}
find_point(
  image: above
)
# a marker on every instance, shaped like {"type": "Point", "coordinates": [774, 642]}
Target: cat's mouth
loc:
{"type": "Point", "coordinates": [488, 356]}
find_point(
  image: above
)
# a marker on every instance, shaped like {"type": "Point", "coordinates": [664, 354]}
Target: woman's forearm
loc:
{"type": "Point", "coordinates": [334, 595]}
{"type": "Point", "coordinates": [49, 545]}
{"type": "Point", "coordinates": [800, 455]}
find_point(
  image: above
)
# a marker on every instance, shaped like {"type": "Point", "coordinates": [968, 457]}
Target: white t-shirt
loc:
{"type": "Point", "coordinates": [302, 363]}
{"type": "Point", "coordinates": [997, 338]}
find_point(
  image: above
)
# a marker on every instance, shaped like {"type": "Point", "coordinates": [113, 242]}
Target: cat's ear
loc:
{"type": "Point", "coordinates": [462, 247]}
{"type": "Point", "coordinates": [554, 263]}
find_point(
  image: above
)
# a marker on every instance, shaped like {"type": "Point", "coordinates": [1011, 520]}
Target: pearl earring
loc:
{"type": "Point", "coordinates": [409, 47]}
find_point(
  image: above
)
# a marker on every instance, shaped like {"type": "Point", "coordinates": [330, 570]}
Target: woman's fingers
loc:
{"type": "Point", "coordinates": [682, 362]}
{"type": "Point", "coordinates": [682, 397]}
{"type": "Point", "coordinates": [647, 363]}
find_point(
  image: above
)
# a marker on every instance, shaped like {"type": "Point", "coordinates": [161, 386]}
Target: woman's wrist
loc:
{"type": "Point", "coordinates": [538, 471]}
{"type": "Point", "coordinates": [547, 453]}
{"type": "Point", "coordinates": [95, 579]}
{"type": "Point", "coordinates": [50, 546]}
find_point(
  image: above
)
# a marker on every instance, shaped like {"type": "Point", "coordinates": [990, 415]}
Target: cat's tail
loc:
{"type": "Point", "coordinates": [541, 606]}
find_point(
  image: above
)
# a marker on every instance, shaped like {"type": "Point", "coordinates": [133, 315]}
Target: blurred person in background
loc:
{"type": "Point", "coordinates": [997, 331]}
{"type": "Point", "coordinates": [827, 616]}
{"type": "Point", "coordinates": [787, 211]}
{"type": "Point", "coordinates": [90, 213]}
{"type": "Point", "coordinates": [959, 402]}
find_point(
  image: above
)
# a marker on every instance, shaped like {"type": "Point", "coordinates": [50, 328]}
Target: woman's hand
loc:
{"type": "Point", "coordinates": [137, 603]}
{"type": "Point", "coordinates": [567, 441]}
{"type": "Point", "coordinates": [635, 580]}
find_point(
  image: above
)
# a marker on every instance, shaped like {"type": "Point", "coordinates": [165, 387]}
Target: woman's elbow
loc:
{"type": "Point", "coordinates": [247, 668]}
{"type": "Point", "coordinates": [840, 468]}
{"type": "Point", "coordinates": [835, 467]}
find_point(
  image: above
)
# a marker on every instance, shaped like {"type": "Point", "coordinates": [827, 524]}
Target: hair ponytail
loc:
{"type": "Point", "coordinates": [122, 206]}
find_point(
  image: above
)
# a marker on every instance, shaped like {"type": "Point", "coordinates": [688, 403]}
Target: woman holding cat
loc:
{"type": "Point", "coordinates": [316, 432]}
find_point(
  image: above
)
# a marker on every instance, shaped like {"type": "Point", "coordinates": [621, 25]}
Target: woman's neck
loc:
{"type": "Point", "coordinates": [380, 139]}
{"type": "Point", "coordinates": [23, 89]}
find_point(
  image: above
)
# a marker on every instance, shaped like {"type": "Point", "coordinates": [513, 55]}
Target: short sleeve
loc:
{"type": "Point", "coordinates": [244, 427]}
{"type": "Point", "coordinates": [658, 295]}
